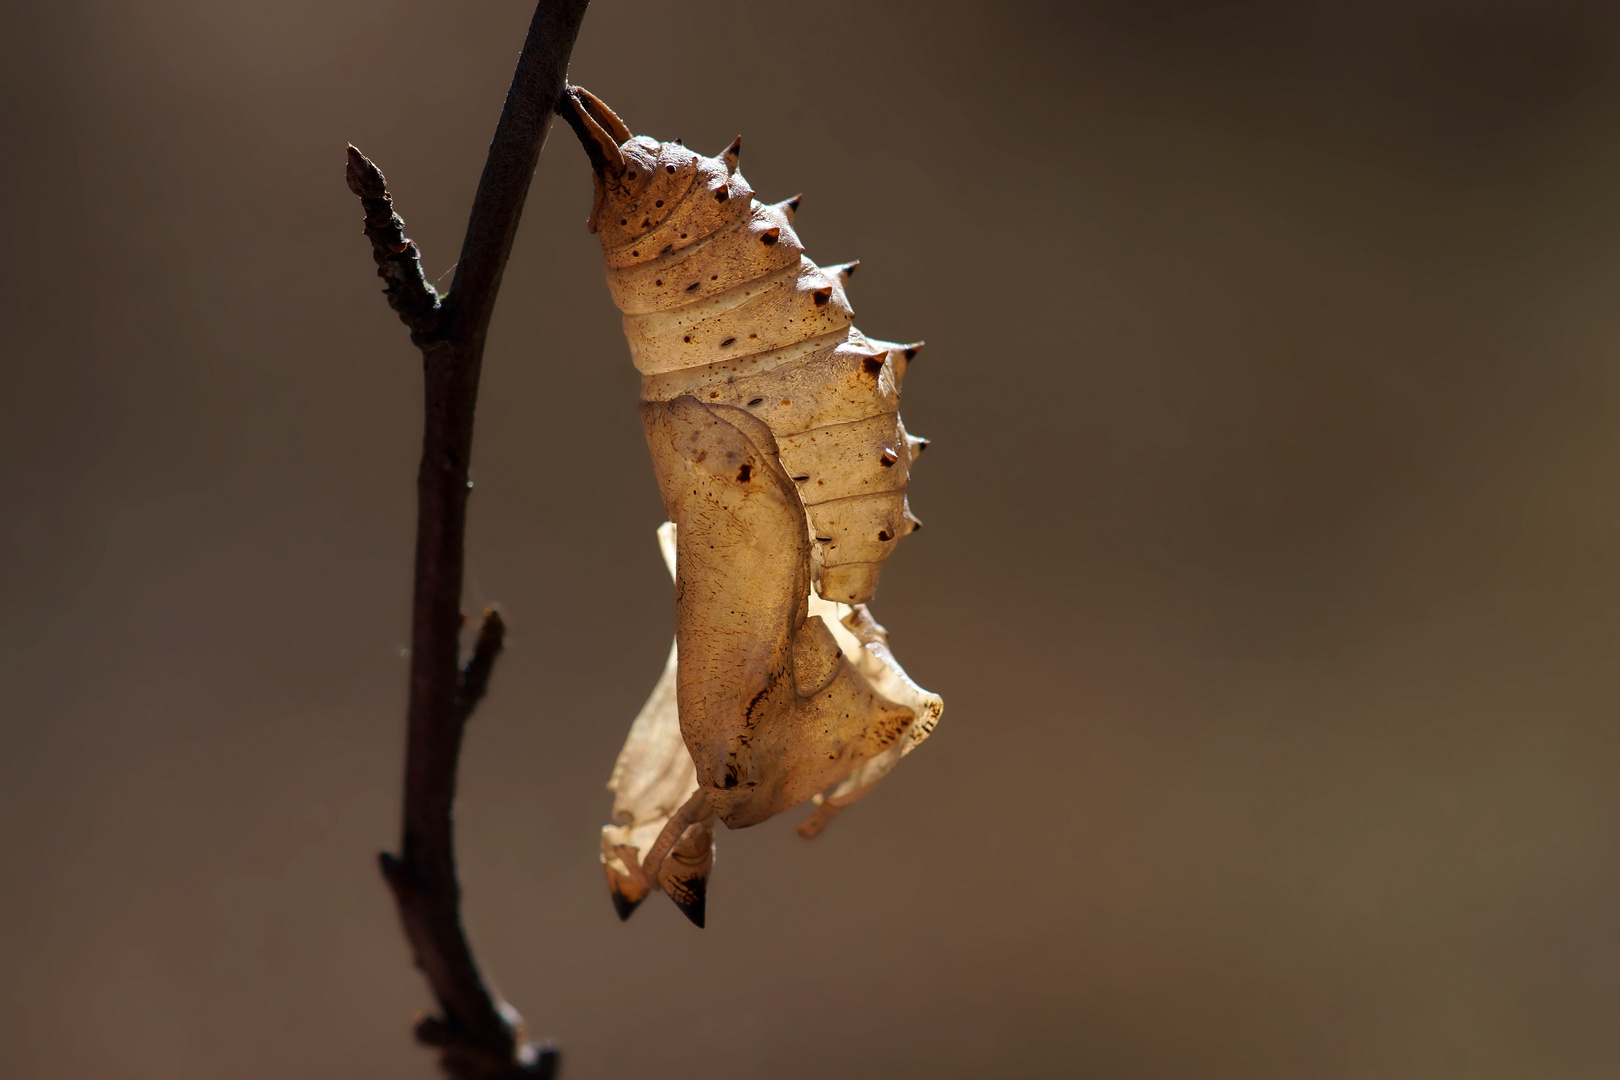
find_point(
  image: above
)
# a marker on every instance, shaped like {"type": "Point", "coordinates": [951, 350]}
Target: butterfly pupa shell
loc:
{"type": "Point", "coordinates": [776, 437]}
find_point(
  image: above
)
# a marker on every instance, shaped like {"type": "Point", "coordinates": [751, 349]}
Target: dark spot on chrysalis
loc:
{"type": "Point", "coordinates": [645, 222]}
{"type": "Point", "coordinates": [822, 539]}
{"type": "Point", "coordinates": [671, 168]}
{"type": "Point", "coordinates": [728, 341]}
{"type": "Point", "coordinates": [714, 393]}
{"type": "Point", "coordinates": [883, 534]}
{"type": "Point", "coordinates": [660, 202]}
{"type": "Point", "coordinates": [667, 249]}
{"type": "Point", "coordinates": [872, 364]}
{"type": "Point", "coordinates": [624, 221]}
{"type": "Point", "coordinates": [756, 401]}
{"type": "Point", "coordinates": [632, 174]}
{"type": "Point", "coordinates": [729, 780]}
{"type": "Point", "coordinates": [823, 295]}
{"type": "Point", "coordinates": [688, 339]}
{"type": "Point", "coordinates": [745, 472]}
{"type": "Point", "coordinates": [694, 285]}
{"type": "Point", "coordinates": [660, 281]}
{"type": "Point", "coordinates": [714, 277]}
{"type": "Point", "coordinates": [800, 480]}
{"type": "Point", "coordinates": [722, 195]}
{"type": "Point", "coordinates": [635, 254]}
{"type": "Point", "coordinates": [683, 236]}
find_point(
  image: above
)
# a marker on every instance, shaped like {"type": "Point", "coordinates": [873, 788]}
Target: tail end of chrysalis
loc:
{"type": "Point", "coordinates": [684, 873]}
{"type": "Point", "coordinates": [627, 890]}
{"type": "Point", "coordinates": [625, 900]}
{"type": "Point", "coordinates": [692, 900]}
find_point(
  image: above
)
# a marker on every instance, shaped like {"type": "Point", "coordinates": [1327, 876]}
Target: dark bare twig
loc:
{"type": "Point", "coordinates": [478, 1035]}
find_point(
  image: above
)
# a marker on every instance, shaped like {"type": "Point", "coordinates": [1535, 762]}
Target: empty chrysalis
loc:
{"type": "Point", "coordinates": [775, 434]}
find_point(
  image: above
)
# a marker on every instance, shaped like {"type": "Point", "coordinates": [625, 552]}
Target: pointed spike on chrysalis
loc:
{"type": "Point", "coordinates": [873, 363]}
{"type": "Point", "coordinates": [822, 295]}
{"type": "Point", "coordinates": [917, 444]}
{"type": "Point", "coordinates": [844, 271]}
{"type": "Point", "coordinates": [913, 524]}
{"type": "Point", "coordinates": [903, 356]}
{"type": "Point", "coordinates": [770, 236]}
{"type": "Point", "coordinates": [732, 155]}
{"type": "Point", "coordinates": [790, 207]}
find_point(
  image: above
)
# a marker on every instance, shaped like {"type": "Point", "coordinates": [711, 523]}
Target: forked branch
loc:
{"type": "Point", "coordinates": [478, 1035]}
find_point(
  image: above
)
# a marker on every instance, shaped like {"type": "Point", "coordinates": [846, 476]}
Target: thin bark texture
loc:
{"type": "Point", "coordinates": [479, 1036]}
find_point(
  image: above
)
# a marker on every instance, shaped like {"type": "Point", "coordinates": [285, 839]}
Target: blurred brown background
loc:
{"type": "Point", "coordinates": [1270, 573]}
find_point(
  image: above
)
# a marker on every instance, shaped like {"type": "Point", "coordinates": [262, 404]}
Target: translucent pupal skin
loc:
{"type": "Point", "coordinates": [775, 435]}
{"type": "Point", "coordinates": [721, 303]}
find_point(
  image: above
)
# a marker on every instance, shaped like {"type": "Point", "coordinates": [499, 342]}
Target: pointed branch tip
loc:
{"type": "Point", "coordinates": [365, 179]}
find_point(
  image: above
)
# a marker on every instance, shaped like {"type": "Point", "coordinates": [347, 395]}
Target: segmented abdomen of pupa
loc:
{"type": "Point", "coordinates": [721, 303]}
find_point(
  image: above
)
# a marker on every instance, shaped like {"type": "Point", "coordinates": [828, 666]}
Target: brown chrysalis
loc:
{"type": "Point", "coordinates": [775, 433]}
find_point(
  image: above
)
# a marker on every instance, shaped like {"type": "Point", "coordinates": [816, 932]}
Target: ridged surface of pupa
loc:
{"type": "Point", "coordinates": [775, 433]}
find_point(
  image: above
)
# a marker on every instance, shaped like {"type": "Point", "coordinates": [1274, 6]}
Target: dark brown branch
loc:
{"type": "Point", "coordinates": [479, 1037]}
{"type": "Point", "coordinates": [532, 100]}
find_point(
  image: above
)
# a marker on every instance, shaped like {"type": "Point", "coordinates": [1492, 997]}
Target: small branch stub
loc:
{"type": "Point", "coordinates": [475, 676]}
{"type": "Point", "coordinates": [399, 261]}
